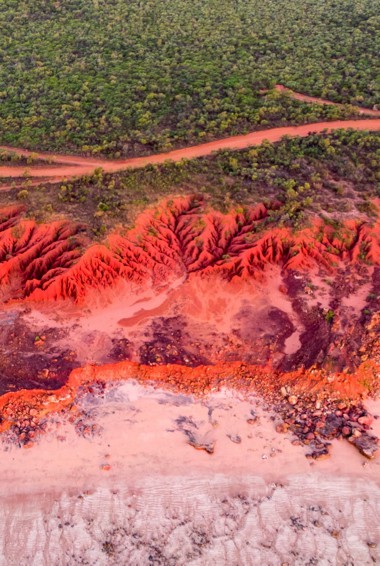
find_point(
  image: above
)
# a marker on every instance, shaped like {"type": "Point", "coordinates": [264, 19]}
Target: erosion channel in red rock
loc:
{"type": "Point", "coordinates": [194, 299]}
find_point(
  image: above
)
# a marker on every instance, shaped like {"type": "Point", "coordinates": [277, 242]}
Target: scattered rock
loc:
{"type": "Point", "coordinates": [319, 454]}
{"type": "Point", "coordinates": [366, 444]}
{"type": "Point", "coordinates": [371, 544]}
{"type": "Point", "coordinates": [208, 447]}
{"type": "Point", "coordinates": [234, 438]}
{"type": "Point", "coordinates": [366, 421]}
{"type": "Point", "coordinates": [332, 426]}
{"type": "Point", "coordinates": [253, 419]}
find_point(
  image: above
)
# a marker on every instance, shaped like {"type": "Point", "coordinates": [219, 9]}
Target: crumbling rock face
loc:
{"type": "Point", "coordinates": [308, 403]}
{"type": "Point", "coordinates": [180, 238]}
{"type": "Point", "coordinates": [33, 256]}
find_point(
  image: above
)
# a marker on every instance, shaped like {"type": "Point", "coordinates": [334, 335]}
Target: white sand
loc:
{"type": "Point", "coordinates": [259, 501]}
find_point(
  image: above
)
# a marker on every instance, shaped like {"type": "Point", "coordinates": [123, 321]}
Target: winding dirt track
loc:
{"type": "Point", "coordinates": [316, 100]}
{"type": "Point", "coordinates": [69, 166]}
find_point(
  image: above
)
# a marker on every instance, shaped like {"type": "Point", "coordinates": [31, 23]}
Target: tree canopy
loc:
{"type": "Point", "coordinates": [132, 77]}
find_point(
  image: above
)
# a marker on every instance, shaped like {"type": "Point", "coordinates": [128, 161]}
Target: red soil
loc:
{"type": "Point", "coordinates": [178, 239]}
{"type": "Point", "coordinates": [199, 381]}
{"type": "Point", "coordinates": [166, 243]}
{"type": "Point", "coordinates": [73, 166]}
{"type": "Point", "coordinates": [31, 255]}
{"type": "Point", "coordinates": [316, 100]}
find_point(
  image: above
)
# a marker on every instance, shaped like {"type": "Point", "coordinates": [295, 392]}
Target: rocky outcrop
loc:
{"type": "Point", "coordinates": [179, 238]}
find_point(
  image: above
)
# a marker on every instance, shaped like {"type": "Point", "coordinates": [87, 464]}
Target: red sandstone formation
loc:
{"type": "Point", "coordinates": [182, 239]}
{"type": "Point", "coordinates": [24, 412]}
{"type": "Point", "coordinates": [31, 255]}
{"type": "Point", "coordinates": [178, 238]}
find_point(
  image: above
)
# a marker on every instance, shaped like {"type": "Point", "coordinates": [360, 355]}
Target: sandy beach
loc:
{"type": "Point", "coordinates": [124, 484]}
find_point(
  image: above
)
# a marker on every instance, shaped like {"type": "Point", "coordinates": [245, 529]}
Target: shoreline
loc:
{"type": "Point", "coordinates": [182, 521]}
{"type": "Point", "coordinates": [134, 490]}
{"type": "Point", "coordinates": [113, 436]}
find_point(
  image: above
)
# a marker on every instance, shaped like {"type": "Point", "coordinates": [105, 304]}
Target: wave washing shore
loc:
{"type": "Point", "coordinates": [143, 476]}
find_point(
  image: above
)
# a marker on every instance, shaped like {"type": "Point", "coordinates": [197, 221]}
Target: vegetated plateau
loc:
{"type": "Point", "coordinates": [129, 78]}
{"type": "Point", "coordinates": [330, 174]}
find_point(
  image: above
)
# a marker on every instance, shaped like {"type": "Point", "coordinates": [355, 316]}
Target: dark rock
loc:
{"type": "Point", "coordinates": [366, 444]}
{"type": "Point", "coordinates": [208, 447]}
{"type": "Point", "coordinates": [346, 431]}
{"type": "Point", "coordinates": [366, 421]}
{"type": "Point", "coordinates": [318, 454]}
{"type": "Point", "coordinates": [332, 426]}
{"type": "Point", "coordinates": [234, 438]}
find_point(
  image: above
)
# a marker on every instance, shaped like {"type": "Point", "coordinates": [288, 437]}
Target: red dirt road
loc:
{"type": "Point", "coordinates": [70, 166]}
{"type": "Point", "coordinates": [74, 166]}
{"type": "Point", "coordinates": [316, 100]}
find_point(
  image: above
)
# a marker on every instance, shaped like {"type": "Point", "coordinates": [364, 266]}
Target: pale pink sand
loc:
{"type": "Point", "coordinates": [257, 502]}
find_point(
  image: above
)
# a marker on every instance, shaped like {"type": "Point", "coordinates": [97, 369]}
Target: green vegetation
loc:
{"type": "Point", "coordinates": [132, 77]}
{"type": "Point", "coordinates": [13, 158]}
{"type": "Point", "coordinates": [333, 175]}
{"type": "Point", "coordinates": [329, 316]}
